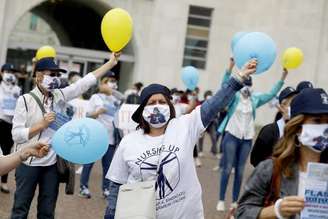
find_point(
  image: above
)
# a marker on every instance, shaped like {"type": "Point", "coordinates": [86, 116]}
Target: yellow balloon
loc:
{"type": "Point", "coordinates": [45, 52]}
{"type": "Point", "coordinates": [292, 58]}
{"type": "Point", "coordinates": [116, 29]}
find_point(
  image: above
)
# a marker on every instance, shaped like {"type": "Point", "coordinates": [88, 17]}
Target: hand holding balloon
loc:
{"type": "Point", "coordinates": [248, 69]}
{"type": "Point", "coordinates": [284, 74]}
{"type": "Point", "coordinates": [231, 64]}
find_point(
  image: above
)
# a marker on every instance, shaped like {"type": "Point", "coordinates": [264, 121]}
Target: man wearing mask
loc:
{"type": "Point", "coordinates": [9, 92]}
{"type": "Point", "coordinates": [271, 133]}
{"type": "Point", "coordinates": [104, 106]}
{"type": "Point", "coordinates": [34, 114]}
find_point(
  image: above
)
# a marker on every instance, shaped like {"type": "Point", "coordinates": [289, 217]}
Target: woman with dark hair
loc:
{"type": "Point", "coordinates": [276, 187]}
{"type": "Point", "coordinates": [170, 145]}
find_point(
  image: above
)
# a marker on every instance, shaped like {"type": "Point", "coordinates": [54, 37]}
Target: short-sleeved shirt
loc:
{"type": "Point", "coordinates": [179, 192]}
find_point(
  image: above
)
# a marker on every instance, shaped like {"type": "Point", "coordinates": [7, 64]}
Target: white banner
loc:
{"type": "Point", "coordinates": [125, 121]}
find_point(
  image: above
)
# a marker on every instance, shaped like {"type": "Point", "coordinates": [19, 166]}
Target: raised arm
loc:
{"type": "Point", "coordinates": [266, 97]}
{"type": "Point", "coordinates": [210, 108]}
{"type": "Point", "coordinates": [81, 86]}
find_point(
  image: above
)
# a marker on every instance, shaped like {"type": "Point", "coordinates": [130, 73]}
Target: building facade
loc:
{"type": "Point", "coordinates": [169, 34]}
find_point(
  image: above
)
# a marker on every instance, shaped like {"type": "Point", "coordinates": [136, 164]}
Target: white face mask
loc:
{"type": "Point", "coordinates": [246, 91]}
{"type": "Point", "coordinates": [50, 83]}
{"type": "Point", "coordinates": [157, 115]}
{"type": "Point", "coordinates": [112, 85]}
{"type": "Point", "coordinates": [9, 78]}
{"type": "Point", "coordinates": [175, 99]}
{"type": "Point", "coordinates": [208, 97]}
{"type": "Point", "coordinates": [314, 137]}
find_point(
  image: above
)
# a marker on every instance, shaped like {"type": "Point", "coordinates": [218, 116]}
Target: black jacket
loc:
{"type": "Point", "coordinates": [263, 147]}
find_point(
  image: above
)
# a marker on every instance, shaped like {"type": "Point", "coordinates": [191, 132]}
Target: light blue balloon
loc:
{"type": "Point", "coordinates": [81, 141]}
{"type": "Point", "coordinates": [255, 45]}
{"type": "Point", "coordinates": [190, 77]}
{"type": "Point", "coordinates": [236, 38]}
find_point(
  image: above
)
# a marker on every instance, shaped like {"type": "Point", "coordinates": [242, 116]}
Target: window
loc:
{"type": "Point", "coordinates": [196, 43]}
{"type": "Point", "coordinates": [33, 22]}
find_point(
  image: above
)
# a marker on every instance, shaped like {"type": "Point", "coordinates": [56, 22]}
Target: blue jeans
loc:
{"type": "Point", "coordinates": [27, 179]}
{"type": "Point", "coordinates": [106, 161]}
{"type": "Point", "coordinates": [235, 153]}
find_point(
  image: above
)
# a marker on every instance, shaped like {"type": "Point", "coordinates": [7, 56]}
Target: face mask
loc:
{"type": "Point", "coordinates": [9, 78]}
{"type": "Point", "coordinates": [112, 85]}
{"type": "Point", "coordinates": [176, 99]}
{"type": "Point", "coordinates": [156, 116]}
{"type": "Point", "coordinates": [246, 91]}
{"type": "Point", "coordinates": [208, 97]}
{"type": "Point", "coordinates": [314, 137]}
{"type": "Point", "coordinates": [50, 83]}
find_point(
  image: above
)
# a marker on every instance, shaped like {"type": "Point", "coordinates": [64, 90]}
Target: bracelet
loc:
{"type": "Point", "coordinates": [277, 209]}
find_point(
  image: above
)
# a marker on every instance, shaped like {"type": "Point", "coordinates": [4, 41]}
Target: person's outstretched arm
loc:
{"type": "Point", "coordinates": [11, 161]}
{"type": "Point", "coordinates": [81, 86]}
{"type": "Point", "coordinates": [210, 108]}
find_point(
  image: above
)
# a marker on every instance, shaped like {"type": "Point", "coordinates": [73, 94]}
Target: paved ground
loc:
{"type": "Point", "coordinates": [74, 207]}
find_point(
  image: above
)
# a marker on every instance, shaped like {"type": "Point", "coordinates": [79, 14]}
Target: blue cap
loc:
{"type": "Point", "coordinates": [310, 101]}
{"type": "Point", "coordinates": [303, 85]}
{"type": "Point", "coordinates": [7, 67]}
{"type": "Point", "coordinates": [47, 64]}
{"type": "Point", "coordinates": [109, 74]}
{"type": "Point", "coordinates": [146, 93]}
{"type": "Point", "coordinates": [285, 93]}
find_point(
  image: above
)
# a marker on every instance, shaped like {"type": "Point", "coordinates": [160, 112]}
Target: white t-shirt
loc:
{"type": "Point", "coordinates": [110, 103]}
{"type": "Point", "coordinates": [8, 99]}
{"type": "Point", "coordinates": [241, 123]}
{"type": "Point", "coordinates": [179, 193]}
{"type": "Point", "coordinates": [81, 108]}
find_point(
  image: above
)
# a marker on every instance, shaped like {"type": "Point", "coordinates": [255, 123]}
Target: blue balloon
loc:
{"type": "Point", "coordinates": [255, 45]}
{"type": "Point", "coordinates": [81, 141]}
{"type": "Point", "coordinates": [236, 38]}
{"type": "Point", "coordinates": [190, 77]}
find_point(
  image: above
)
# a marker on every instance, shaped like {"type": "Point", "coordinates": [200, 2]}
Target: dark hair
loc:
{"type": "Point", "coordinates": [138, 85]}
{"type": "Point", "coordinates": [207, 93]}
{"type": "Point", "coordinates": [145, 126]}
{"type": "Point", "coordinates": [72, 74]}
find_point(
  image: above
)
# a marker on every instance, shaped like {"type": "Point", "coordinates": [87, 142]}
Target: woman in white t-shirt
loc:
{"type": "Point", "coordinates": [162, 139]}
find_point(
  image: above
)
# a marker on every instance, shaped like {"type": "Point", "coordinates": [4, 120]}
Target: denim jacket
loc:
{"type": "Point", "coordinates": [209, 110]}
{"type": "Point", "coordinates": [252, 200]}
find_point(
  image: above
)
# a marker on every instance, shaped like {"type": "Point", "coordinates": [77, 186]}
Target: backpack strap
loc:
{"type": "Point", "coordinates": [25, 103]}
{"type": "Point", "coordinates": [38, 101]}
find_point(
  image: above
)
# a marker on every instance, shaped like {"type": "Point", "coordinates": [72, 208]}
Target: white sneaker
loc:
{"type": "Point", "coordinates": [220, 206]}
{"type": "Point", "coordinates": [79, 170]}
{"type": "Point", "coordinates": [84, 192]}
{"type": "Point", "coordinates": [198, 163]}
{"type": "Point", "coordinates": [233, 170]}
{"type": "Point", "coordinates": [234, 205]}
{"type": "Point", "coordinates": [106, 193]}
{"type": "Point", "coordinates": [216, 168]}
{"type": "Point", "coordinates": [200, 154]}
{"type": "Point", "coordinates": [218, 156]}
